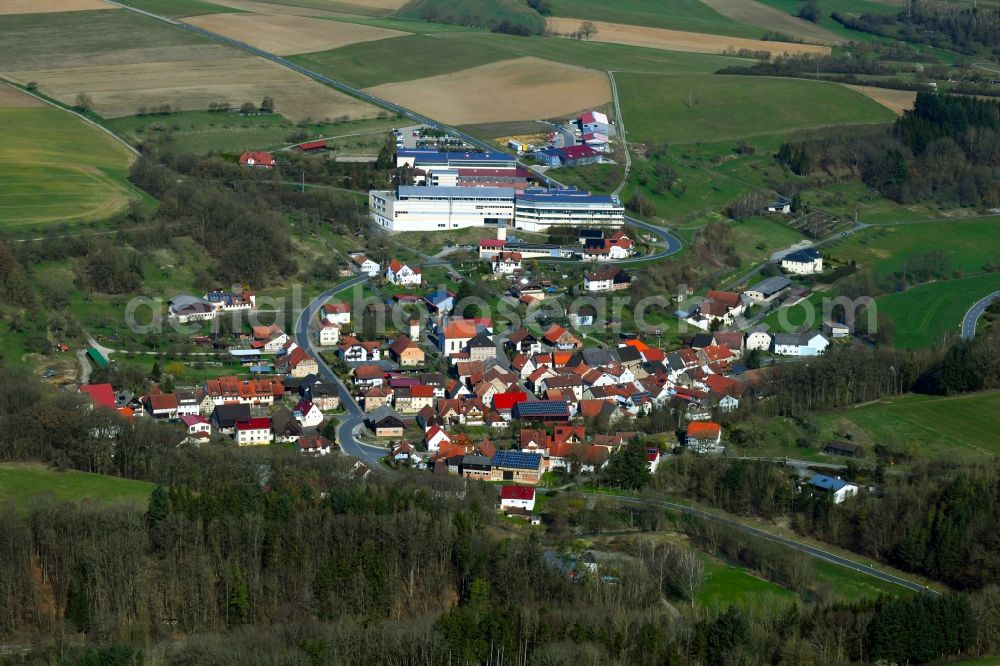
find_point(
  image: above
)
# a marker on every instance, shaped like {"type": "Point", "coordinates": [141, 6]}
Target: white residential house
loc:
{"type": "Point", "coordinates": [803, 262]}
{"type": "Point", "coordinates": [759, 340]}
{"type": "Point", "coordinates": [838, 489]}
{"type": "Point", "coordinates": [254, 432]}
{"type": "Point", "coordinates": [435, 437]}
{"type": "Point", "coordinates": [329, 334]}
{"type": "Point", "coordinates": [401, 274]}
{"type": "Point", "coordinates": [197, 426]}
{"type": "Point", "coordinates": [704, 437]}
{"type": "Point", "coordinates": [269, 339]}
{"type": "Point", "coordinates": [337, 313]}
{"type": "Point", "coordinates": [188, 402]}
{"type": "Point", "coordinates": [809, 343]}
{"type": "Point", "coordinates": [728, 403]}
{"type": "Point", "coordinates": [454, 336]}
{"type": "Point", "coordinates": [316, 445]}
{"type": "Point", "coordinates": [517, 497]}
{"type": "Point", "coordinates": [366, 265]}
{"type": "Point", "coordinates": [507, 263]}
{"type": "Point", "coordinates": [308, 414]}
{"type": "Point", "coordinates": [606, 278]}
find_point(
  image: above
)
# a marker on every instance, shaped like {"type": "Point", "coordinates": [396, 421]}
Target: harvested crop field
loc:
{"type": "Point", "coordinates": [768, 18]}
{"type": "Point", "coordinates": [288, 35]}
{"type": "Point", "coordinates": [12, 98]}
{"type": "Point", "coordinates": [125, 62]}
{"type": "Point", "coordinates": [121, 90]}
{"type": "Point", "coordinates": [677, 40]}
{"type": "Point", "coordinates": [896, 100]}
{"type": "Point", "coordinates": [49, 6]}
{"type": "Point", "coordinates": [517, 89]}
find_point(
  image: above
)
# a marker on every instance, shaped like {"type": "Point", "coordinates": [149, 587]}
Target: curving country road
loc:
{"type": "Point", "coordinates": [975, 312]}
{"type": "Point", "coordinates": [812, 551]}
{"type": "Point", "coordinates": [354, 416]}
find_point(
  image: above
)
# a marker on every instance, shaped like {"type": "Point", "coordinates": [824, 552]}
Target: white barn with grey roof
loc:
{"type": "Point", "coordinates": [767, 288]}
{"type": "Point", "coordinates": [809, 343]}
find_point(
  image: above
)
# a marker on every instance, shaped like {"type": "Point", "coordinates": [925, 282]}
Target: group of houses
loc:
{"type": "Point", "coordinates": [552, 382]}
{"type": "Point", "coordinates": [250, 411]}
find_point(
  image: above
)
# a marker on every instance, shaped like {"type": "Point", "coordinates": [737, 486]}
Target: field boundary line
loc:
{"type": "Point", "coordinates": [79, 115]}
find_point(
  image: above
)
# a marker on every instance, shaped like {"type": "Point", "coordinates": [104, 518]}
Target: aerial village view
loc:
{"type": "Point", "coordinates": [500, 332]}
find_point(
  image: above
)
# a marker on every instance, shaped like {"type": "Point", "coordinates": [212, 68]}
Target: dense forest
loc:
{"type": "Point", "coordinates": [946, 149]}
{"type": "Point", "coordinates": [263, 556]}
{"type": "Point", "coordinates": [963, 28]}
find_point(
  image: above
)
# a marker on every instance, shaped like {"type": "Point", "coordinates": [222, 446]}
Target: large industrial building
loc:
{"type": "Point", "coordinates": [430, 208]}
{"type": "Point", "coordinates": [436, 208]}
{"type": "Point", "coordinates": [456, 190]}
{"type": "Point", "coordinates": [539, 209]}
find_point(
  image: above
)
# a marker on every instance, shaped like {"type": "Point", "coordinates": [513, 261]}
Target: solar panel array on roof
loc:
{"type": "Point", "coordinates": [542, 408]}
{"type": "Point", "coordinates": [517, 459]}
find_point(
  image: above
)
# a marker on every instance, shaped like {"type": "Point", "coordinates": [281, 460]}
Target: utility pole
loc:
{"type": "Point", "coordinates": [303, 180]}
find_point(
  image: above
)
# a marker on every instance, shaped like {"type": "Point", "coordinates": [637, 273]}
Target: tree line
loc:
{"type": "Point", "coordinates": [971, 30]}
{"type": "Point", "coordinates": [947, 149]}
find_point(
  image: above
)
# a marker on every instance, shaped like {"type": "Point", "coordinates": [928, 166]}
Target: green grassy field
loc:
{"type": "Point", "coordinates": [676, 15]}
{"type": "Point", "coordinates": [177, 8]}
{"type": "Point", "coordinates": [418, 56]}
{"type": "Point", "coordinates": [690, 109]}
{"type": "Point", "coordinates": [850, 585]}
{"type": "Point", "coordinates": [201, 131]}
{"type": "Point", "coordinates": [725, 585]}
{"type": "Point", "coordinates": [22, 482]}
{"type": "Point", "coordinates": [924, 313]}
{"type": "Point", "coordinates": [931, 427]}
{"type": "Point", "coordinates": [970, 244]}
{"type": "Point", "coordinates": [56, 168]}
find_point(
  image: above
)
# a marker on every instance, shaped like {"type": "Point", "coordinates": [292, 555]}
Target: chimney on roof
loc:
{"type": "Point", "coordinates": [415, 329]}
{"type": "Point", "coordinates": [502, 232]}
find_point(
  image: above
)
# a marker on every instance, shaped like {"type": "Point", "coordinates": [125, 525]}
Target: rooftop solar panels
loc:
{"type": "Point", "coordinates": [517, 460]}
{"type": "Point", "coordinates": [542, 409]}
